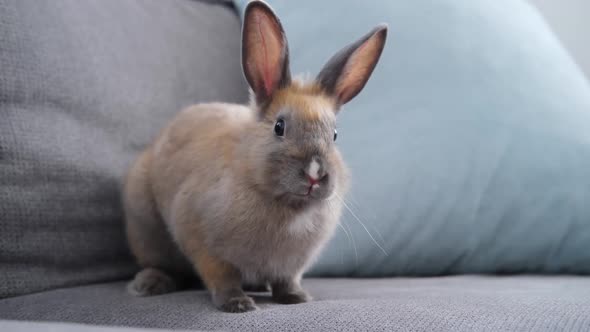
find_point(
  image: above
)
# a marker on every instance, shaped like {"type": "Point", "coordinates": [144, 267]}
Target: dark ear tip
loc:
{"type": "Point", "coordinates": [382, 26]}
{"type": "Point", "coordinates": [263, 8]}
{"type": "Point", "coordinates": [253, 4]}
{"type": "Point", "coordinates": [381, 29]}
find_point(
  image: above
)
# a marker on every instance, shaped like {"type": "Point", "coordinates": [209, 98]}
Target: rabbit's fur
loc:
{"type": "Point", "coordinates": [225, 192]}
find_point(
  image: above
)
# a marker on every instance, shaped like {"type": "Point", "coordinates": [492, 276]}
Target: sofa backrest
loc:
{"type": "Point", "coordinates": [84, 86]}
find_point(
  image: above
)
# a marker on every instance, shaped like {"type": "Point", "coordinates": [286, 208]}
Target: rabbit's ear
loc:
{"type": "Point", "coordinates": [265, 53]}
{"type": "Point", "coordinates": [347, 72]}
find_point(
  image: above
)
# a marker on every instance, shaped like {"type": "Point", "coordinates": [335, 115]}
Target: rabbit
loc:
{"type": "Point", "coordinates": [247, 195]}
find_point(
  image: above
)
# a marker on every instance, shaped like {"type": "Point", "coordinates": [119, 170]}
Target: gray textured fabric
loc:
{"type": "Point", "coordinates": [83, 86]}
{"type": "Point", "coordinates": [20, 326]}
{"type": "Point", "coordinates": [464, 303]}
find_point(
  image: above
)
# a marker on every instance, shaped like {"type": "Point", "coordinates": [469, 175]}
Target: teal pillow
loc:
{"type": "Point", "coordinates": [469, 147]}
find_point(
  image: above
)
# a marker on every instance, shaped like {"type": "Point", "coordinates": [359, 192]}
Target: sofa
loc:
{"type": "Point", "coordinates": [479, 227]}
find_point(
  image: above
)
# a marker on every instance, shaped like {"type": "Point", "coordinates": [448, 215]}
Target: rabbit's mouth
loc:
{"type": "Point", "coordinates": [298, 200]}
{"type": "Point", "coordinates": [306, 195]}
{"type": "Point", "coordinates": [305, 198]}
{"type": "Point", "coordinates": [312, 193]}
{"type": "Point", "coordinates": [301, 194]}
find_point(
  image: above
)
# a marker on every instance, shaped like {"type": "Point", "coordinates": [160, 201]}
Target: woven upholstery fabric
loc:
{"type": "Point", "coordinates": [84, 86]}
{"type": "Point", "coordinates": [463, 303]}
{"type": "Point", "coordinates": [20, 326]}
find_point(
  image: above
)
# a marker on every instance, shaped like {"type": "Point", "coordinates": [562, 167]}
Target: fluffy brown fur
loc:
{"type": "Point", "coordinates": [223, 193]}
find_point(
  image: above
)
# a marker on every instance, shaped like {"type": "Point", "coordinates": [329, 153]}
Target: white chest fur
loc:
{"type": "Point", "coordinates": [303, 224]}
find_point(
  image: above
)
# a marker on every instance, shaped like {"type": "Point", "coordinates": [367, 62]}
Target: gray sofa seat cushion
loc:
{"type": "Point", "coordinates": [21, 326]}
{"type": "Point", "coordinates": [465, 303]}
{"type": "Point", "coordinates": [85, 85]}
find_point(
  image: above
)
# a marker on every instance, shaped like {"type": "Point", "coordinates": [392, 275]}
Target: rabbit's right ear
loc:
{"type": "Point", "coordinates": [265, 53]}
{"type": "Point", "coordinates": [347, 72]}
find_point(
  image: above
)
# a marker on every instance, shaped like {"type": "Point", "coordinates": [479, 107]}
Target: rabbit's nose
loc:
{"type": "Point", "coordinates": [315, 173]}
{"type": "Point", "coordinates": [313, 181]}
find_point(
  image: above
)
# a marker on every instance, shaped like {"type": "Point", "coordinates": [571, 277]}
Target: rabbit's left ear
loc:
{"type": "Point", "coordinates": [347, 72]}
{"type": "Point", "coordinates": [265, 53]}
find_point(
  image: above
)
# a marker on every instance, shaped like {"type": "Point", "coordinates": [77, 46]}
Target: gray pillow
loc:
{"type": "Point", "coordinates": [469, 146]}
{"type": "Point", "coordinates": [84, 85]}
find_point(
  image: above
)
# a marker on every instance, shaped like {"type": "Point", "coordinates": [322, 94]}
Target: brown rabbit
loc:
{"type": "Point", "coordinates": [247, 195]}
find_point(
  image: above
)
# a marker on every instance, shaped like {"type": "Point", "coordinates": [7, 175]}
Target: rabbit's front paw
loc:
{"type": "Point", "coordinates": [151, 281]}
{"type": "Point", "coordinates": [238, 304]}
{"type": "Point", "coordinates": [289, 292]}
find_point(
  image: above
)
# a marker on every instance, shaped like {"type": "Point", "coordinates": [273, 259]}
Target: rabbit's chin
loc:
{"type": "Point", "coordinates": [300, 201]}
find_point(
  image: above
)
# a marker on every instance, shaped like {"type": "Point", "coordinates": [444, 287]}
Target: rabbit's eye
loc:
{"type": "Point", "coordinates": [280, 127]}
{"type": "Point", "coordinates": [335, 134]}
